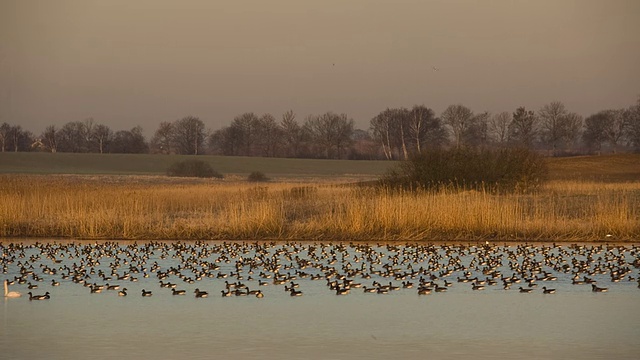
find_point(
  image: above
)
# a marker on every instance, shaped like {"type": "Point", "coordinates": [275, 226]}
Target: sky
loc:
{"type": "Point", "coordinates": [126, 63]}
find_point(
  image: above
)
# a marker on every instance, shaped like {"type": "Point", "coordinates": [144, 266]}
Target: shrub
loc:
{"type": "Point", "coordinates": [502, 170]}
{"type": "Point", "coordinates": [193, 168]}
{"type": "Point", "coordinates": [257, 176]}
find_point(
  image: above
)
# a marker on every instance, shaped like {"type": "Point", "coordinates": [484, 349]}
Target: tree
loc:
{"type": "Point", "coordinates": [4, 135]}
{"type": "Point", "coordinates": [18, 139]}
{"type": "Point", "coordinates": [268, 136]}
{"type": "Point", "coordinates": [72, 137]}
{"type": "Point", "coordinates": [102, 135]}
{"type": "Point", "coordinates": [129, 142]}
{"type": "Point", "coordinates": [498, 127]}
{"type": "Point", "coordinates": [331, 133]}
{"type": "Point", "coordinates": [382, 131]}
{"type": "Point", "coordinates": [459, 119]}
{"type": "Point", "coordinates": [162, 141]}
{"type": "Point", "coordinates": [50, 138]}
{"type": "Point", "coordinates": [188, 135]}
{"type": "Point", "coordinates": [523, 127]}
{"type": "Point", "coordinates": [632, 118]}
{"type": "Point", "coordinates": [292, 134]}
{"type": "Point", "coordinates": [559, 127]}
{"type": "Point", "coordinates": [424, 128]}
{"type": "Point", "coordinates": [477, 133]}
{"type": "Point", "coordinates": [595, 128]}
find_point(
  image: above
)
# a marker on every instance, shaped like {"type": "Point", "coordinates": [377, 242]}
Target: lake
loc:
{"type": "Point", "coordinates": [76, 323]}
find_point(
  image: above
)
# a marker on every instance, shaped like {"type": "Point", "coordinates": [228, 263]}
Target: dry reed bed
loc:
{"type": "Point", "coordinates": [77, 207]}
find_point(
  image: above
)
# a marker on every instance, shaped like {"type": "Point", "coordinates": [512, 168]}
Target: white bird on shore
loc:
{"type": "Point", "coordinates": [7, 293]}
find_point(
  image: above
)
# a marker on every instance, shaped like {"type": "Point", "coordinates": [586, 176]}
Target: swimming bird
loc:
{"type": "Point", "coordinates": [39, 297]}
{"type": "Point", "coordinates": [548, 291]}
{"type": "Point", "coordinates": [525, 290]}
{"type": "Point", "coordinates": [594, 288]}
{"type": "Point", "coordinates": [178, 292]}
{"type": "Point", "coordinates": [146, 293]}
{"type": "Point", "coordinates": [10, 294]}
{"type": "Point", "coordinates": [122, 292]}
{"type": "Point", "coordinates": [55, 283]}
{"type": "Point", "coordinates": [201, 294]}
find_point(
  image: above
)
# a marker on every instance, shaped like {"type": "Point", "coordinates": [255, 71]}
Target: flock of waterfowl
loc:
{"type": "Point", "coordinates": [245, 269]}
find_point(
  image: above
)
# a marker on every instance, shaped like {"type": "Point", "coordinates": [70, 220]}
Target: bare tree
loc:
{"type": "Point", "coordinates": [632, 119]}
{"type": "Point", "coordinates": [162, 141]}
{"type": "Point", "coordinates": [129, 142]}
{"type": "Point", "coordinates": [4, 135]}
{"type": "Point", "coordinates": [50, 138]}
{"type": "Point", "coordinates": [292, 134]}
{"type": "Point", "coordinates": [523, 127]}
{"type": "Point", "coordinates": [188, 135]}
{"type": "Point", "coordinates": [559, 127]}
{"type": "Point", "coordinates": [102, 135]}
{"type": "Point", "coordinates": [498, 127]}
{"type": "Point", "coordinates": [331, 133]}
{"type": "Point", "coordinates": [460, 119]}
{"type": "Point", "coordinates": [595, 128]}
{"type": "Point", "coordinates": [381, 129]}
{"type": "Point", "coordinates": [268, 136]}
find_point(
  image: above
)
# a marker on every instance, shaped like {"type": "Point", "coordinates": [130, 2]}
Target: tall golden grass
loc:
{"type": "Point", "coordinates": [90, 207]}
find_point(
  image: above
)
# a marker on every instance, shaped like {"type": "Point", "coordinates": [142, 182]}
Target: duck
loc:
{"type": "Point", "coordinates": [178, 292]}
{"type": "Point", "coordinates": [146, 293]}
{"type": "Point", "coordinates": [548, 291]}
{"type": "Point", "coordinates": [10, 294]}
{"type": "Point", "coordinates": [122, 292]}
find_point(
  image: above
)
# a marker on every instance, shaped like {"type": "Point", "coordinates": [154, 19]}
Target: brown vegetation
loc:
{"type": "Point", "coordinates": [89, 207]}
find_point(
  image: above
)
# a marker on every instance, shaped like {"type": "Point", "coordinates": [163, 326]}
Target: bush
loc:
{"type": "Point", "coordinates": [193, 168]}
{"type": "Point", "coordinates": [502, 170]}
{"type": "Point", "coordinates": [257, 176]}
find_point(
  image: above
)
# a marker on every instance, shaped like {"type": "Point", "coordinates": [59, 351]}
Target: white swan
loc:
{"type": "Point", "coordinates": [12, 294]}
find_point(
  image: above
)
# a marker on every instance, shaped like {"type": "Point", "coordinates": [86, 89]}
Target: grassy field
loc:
{"type": "Point", "coordinates": [145, 164]}
{"type": "Point", "coordinates": [623, 167]}
{"type": "Point", "coordinates": [588, 198]}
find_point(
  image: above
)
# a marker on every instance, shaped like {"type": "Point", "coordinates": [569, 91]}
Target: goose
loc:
{"type": "Point", "coordinates": [201, 294]}
{"type": "Point", "coordinates": [548, 291]}
{"type": "Point", "coordinates": [225, 293]}
{"type": "Point", "coordinates": [146, 293]}
{"type": "Point", "coordinates": [293, 292]}
{"type": "Point", "coordinates": [113, 287]}
{"type": "Point", "coordinates": [342, 291]}
{"type": "Point", "coordinates": [39, 297]}
{"type": "Point", "coordinates": [424, 291]}
{"type": "Point", "coordinates": [259, 294]}
{"type": "Point", "coordinates": [178, 292]}
{"type": "Point", "coordinates": [525, 291]}
{"type": "Point", "coordinates": [122, 292]}
{"type": "Point", "coordinates": [594, 288]}
{"type": "Point", "coordinates": [369, 290]}
{"type": "Point", "coordinates": [55, 283]}
{"type": "Point", "coordinates": [475, 286]}
{"type": "Point", "coordinates": [10, 294]}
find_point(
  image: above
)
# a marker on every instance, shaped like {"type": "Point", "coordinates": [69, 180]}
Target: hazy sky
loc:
{"type": "Point", "coordinates": [127, 63]}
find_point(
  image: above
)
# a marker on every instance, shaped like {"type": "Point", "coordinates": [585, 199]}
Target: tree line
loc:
{"type": "Point", "coordinates": [393, 134]}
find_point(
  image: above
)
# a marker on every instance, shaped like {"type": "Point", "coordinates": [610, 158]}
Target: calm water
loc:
{"type": "Point", "coordinates": [460, 323]}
